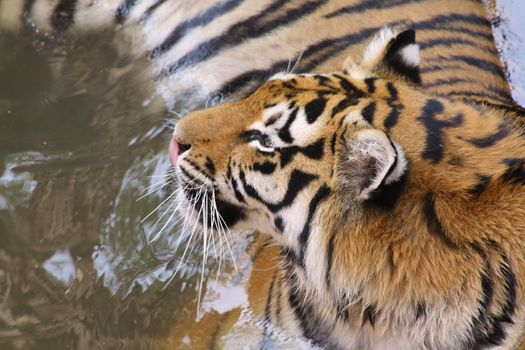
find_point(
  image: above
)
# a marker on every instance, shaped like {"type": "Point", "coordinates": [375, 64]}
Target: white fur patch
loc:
{"type": "Point", "coordinates": [282, 76]}
{"type": "Point", "coordinates": [374, 51]}
{"type": "Point", "coordinates": [357, 73]}
{"type": "Point", "coordinates": [401, 165]}
{"type": "Point", "coordinates": [280, 108]}
{"type": "Point", "coordinates": [410, 55]}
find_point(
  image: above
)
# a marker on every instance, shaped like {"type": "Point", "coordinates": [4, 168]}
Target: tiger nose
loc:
{"type": "Point", "coordinates": [175, 149]}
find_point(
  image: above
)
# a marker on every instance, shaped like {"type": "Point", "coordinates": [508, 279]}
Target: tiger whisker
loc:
{"type": "Point", "coordinates": [181, 262]}
{"type": "Point", "coordinates": [189, 241]}
{"type": "Point", "coordinates": [299, 57]}
{"type": "Point", "coordinates": [177, 114]}
{"type": "Point", "coordinates": [205, 248]}
{"type": "Point", "coordinates": [226, 230]}
{"type": "Point", "coordinates": [157, 207]}
{"type": "Point", "coordinates": [156, 236]}
{"type": "Point", "coordinates": [164, 175]}
{"type": "Point", "coordinates": [167, 209]}
{"type": "Point", "coordinates": [157, 185]}
{"type": "Point", "coordinates": [289, 64]}
{"type": "Point", "coordinates": [215, 223]}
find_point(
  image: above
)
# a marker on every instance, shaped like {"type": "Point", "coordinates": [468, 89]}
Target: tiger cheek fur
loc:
{"type": "Point", "coordinates": [400, 214]}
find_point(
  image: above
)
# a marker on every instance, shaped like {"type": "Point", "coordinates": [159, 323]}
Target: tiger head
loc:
{"type": "Point", "coordinates": [307, 150]}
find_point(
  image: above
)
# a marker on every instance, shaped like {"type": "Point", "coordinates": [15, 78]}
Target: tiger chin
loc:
{"type": "Point", "coordinates": [400, 215]}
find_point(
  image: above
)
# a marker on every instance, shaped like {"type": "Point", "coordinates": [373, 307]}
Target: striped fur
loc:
{"type": "Point", "coordinates": [401, 227]}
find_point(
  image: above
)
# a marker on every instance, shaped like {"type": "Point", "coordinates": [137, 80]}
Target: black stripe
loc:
{"type": "Point", "coordinates": [370, 84]}
{"type": "Point", "coordinates": [484, 142]}
{"type": "Point", "coordinates": [481, 185]}
{"type": "Point", "coordinates": [230, 213]}
{"type": "Point", "coordinates": [149, 11]}
{"type": "Point", "coordinates": [447, 23]}
{"type": "Point", "coordinates": [350, 89]}
{"type": "Point", "coordinates": [252, 27]}
{"type": "Point", "coordinates": [369, 111]}
{"type": "Point", "coordinates": [297, 182]}
{"type": "Point", "coordinates": [332, 142]}
{"type": "Point", "coordinates": [311, 325]}
{"type": "Point", "coordinates": [499, 94]}
{"type": "Point", "coordinates": [289, 257]}
{"type": "Point", "coordinates": [313, 151]}
{"type": "Point", "coordinates": [434, 141]}
{"type": "Point", "coordinates": [210, 166]}
{"type": "Point", "coordinates": [515, 172]}
{"type": "Point", "coordinates": [421, 310]}
{"type": "Point", "coordinates": [314, 109]}
{"type": "Point", "coordinates": [284, 132]}
{"type": "Point", "coordinates": [236, 192]}
{"type": "Point", "coordinates": [428, 44]}
{"type": "Point", "coordinates": [369, 315]}
{"type": "Point", "coordinates": [321, 194]}
{"type": "Point", "coordinates": [189, 176]}
{"type": "Point", "coordinates": [267, 313]}
{"type": "Point", "coordinates": [472, 61]}
{"type": "Point", "coordinates": [278, 223]}
{"type": "Point", "coordinates": [434, 226]}
{"type": "Point", "coordinates": [201, 20]}
{"type": "Point", "coordinates": [512, 108]}
{"type": "Point", "coordinates": [343, 104]}
{"type": "Point", "coordinates": [300, 309]}
{"type": "Point", "coordinates": [329, 260]}
{"type": "Point", "coordinates": [511, 284]}
{"type": "Point", "coordinates": [470, 95]}
{"type": "Point", "coordinates": [386, 196]}
{"type": "Point", "coordinates": [278, 304]}
{"type": "Point", "coordinates": [487, 329]}
{"type": "Point", "coordinates": [63, 15]}
{"type": "Point", "coordinates": [197, 167]}
{"type": "Point", "coordinates": [123, 10]}
{"type": "Point", "coordinates": [396, 107]}
{"type": "Point", "coordinates": [266, 168]}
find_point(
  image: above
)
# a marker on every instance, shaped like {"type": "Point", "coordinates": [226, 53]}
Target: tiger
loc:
{"type": "Point", "coordinates": [202, 53]}
{"type": "Point", "coordinates": [399, 213]}
{"type": "Point", "coordinates": [199, 53]}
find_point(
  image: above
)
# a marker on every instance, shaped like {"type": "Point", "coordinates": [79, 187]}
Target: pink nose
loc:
{"type": "Point", "coordinates": [173, 151]}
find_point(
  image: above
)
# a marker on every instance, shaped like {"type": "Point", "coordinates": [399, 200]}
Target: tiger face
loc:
{"type": "Point", "coordinates": [267, 161]}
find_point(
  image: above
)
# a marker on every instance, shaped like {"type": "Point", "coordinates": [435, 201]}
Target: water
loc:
{"type": "Point", "coordinates": [79, 144]}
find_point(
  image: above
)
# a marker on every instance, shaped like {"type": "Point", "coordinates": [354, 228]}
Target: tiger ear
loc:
{"type": "Point", "coordinates": [369, 161]}
{"type": "Point", "coordinates": [392, 54]}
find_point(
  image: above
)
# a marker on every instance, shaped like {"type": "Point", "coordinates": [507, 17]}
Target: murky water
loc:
{"type": "Point", "coordinates": [78, 156]}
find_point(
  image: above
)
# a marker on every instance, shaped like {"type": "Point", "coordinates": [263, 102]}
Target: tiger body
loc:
{"type": "Point", "coordinates": [438, 263]}
{"type": "Point", "coordinates": [400, 213]}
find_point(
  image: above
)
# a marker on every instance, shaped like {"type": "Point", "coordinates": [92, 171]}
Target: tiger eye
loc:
{"type": "Point", "coordinates": [267, 142]}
